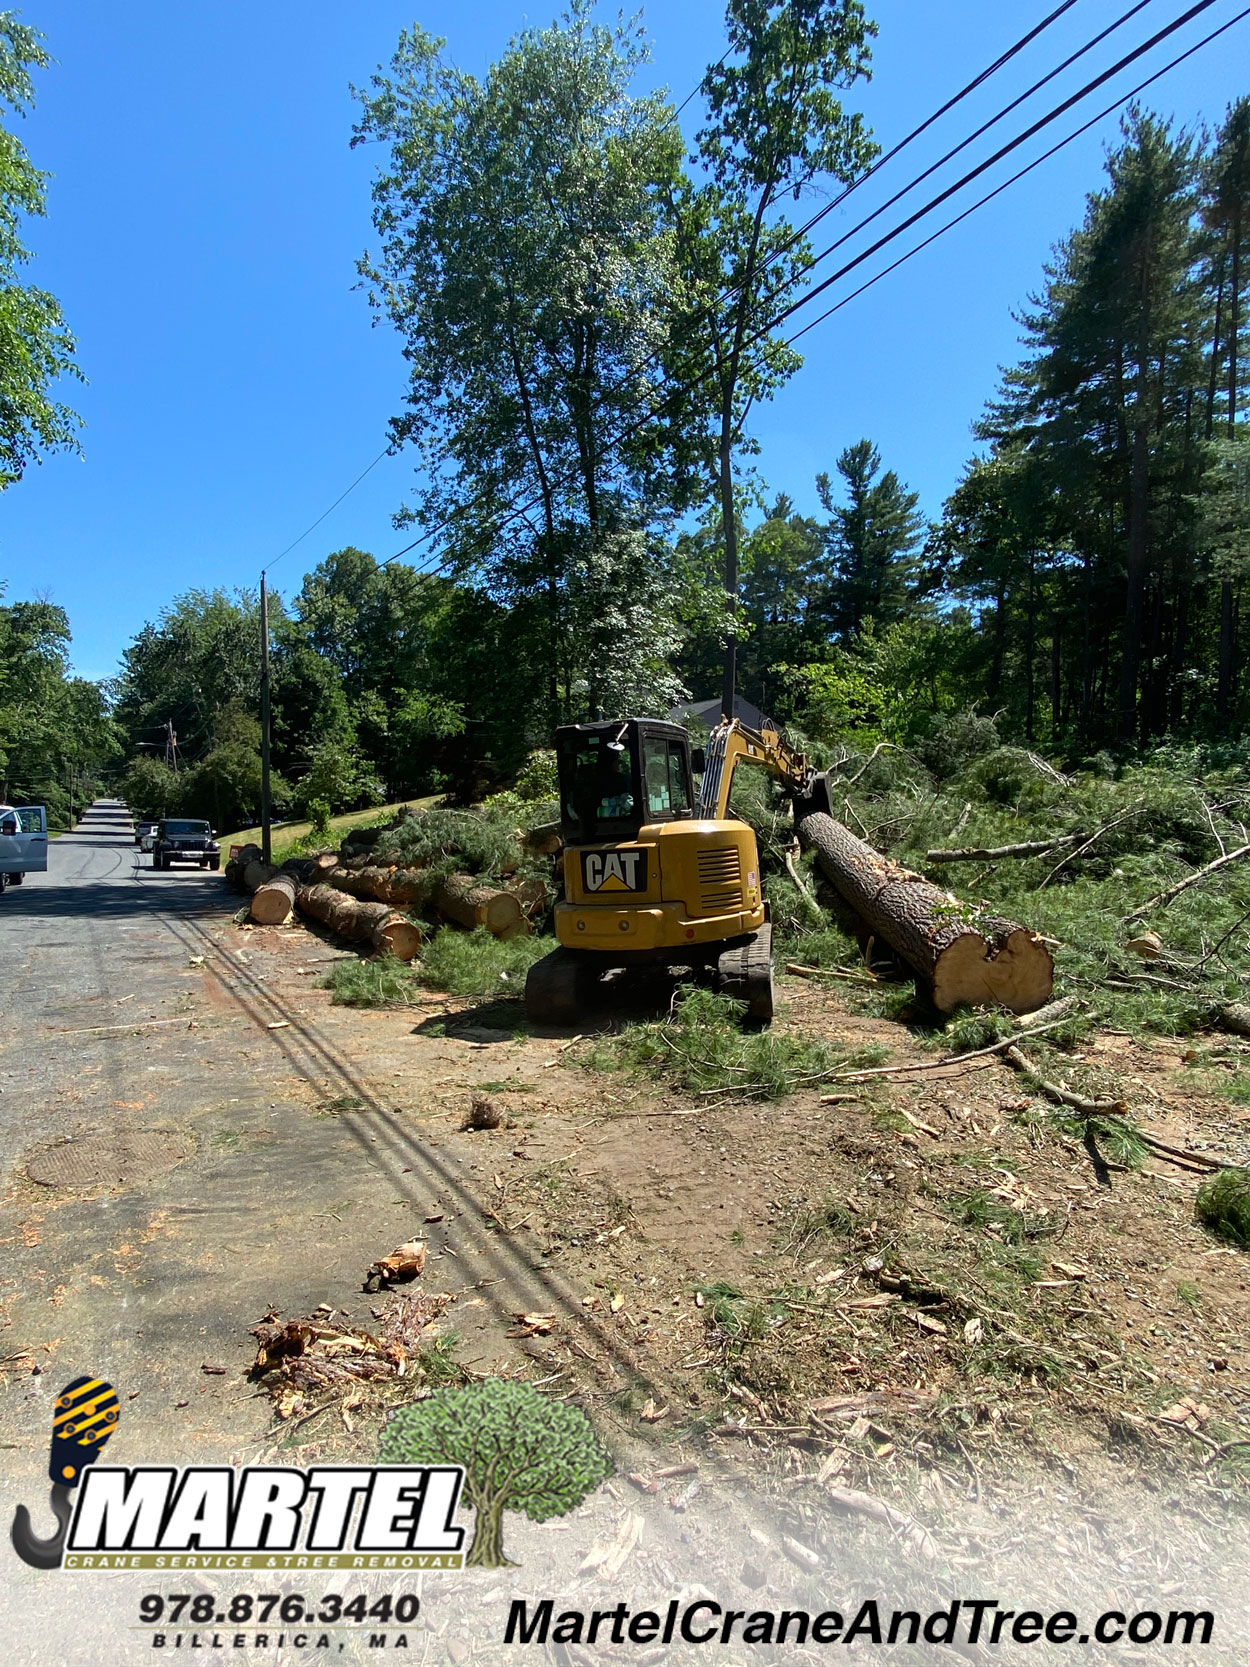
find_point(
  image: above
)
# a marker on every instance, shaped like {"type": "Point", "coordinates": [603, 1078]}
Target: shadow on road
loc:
{"type": "Point", "coordinates": [170, 893]}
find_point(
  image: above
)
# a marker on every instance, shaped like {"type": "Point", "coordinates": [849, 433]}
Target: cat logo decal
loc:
{"type": "Point", "coordinates": [621, 870]}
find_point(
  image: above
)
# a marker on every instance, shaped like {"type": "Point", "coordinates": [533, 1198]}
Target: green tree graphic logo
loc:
{"type": "Point", "coordinates": [521, 1451]}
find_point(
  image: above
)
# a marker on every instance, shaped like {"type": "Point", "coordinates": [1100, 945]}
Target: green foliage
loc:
{"type": "Point", "coordinates": [379, 981]}
{"type": "Point", "coordinates": [521, 1451]}
{"type": "Point", "coordinates": [478, 964]}
{"type": "Point", "coordinates": [1223, 1205]}
{"type": "Point", "coordinates": [56, 731]}
{"type": "Point", "coordinates": [36, 348]}
{"type": "Point", "coordinates": [444, 840]}
{"type": "Point", "coordinates": [151, 788]}
{"type": "Point", "coordinates": [873, 542]}
{"type": "Point", "coordinates": [537, 780]}
{"type": "Point", "coordinates": [461, 963]}
{"type": "Point", "coordinates": [338, 778]}
{"type": "Point", "coordinates": [703, 1048]}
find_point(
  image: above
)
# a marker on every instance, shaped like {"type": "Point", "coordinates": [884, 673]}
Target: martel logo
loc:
{"type": "Point", "coordinates": [614, 870]}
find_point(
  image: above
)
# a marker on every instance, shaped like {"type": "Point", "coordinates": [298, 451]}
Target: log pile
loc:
{"type": "Point", "coordinates": [960, 954]}
{"type": "Point", "coordinates": [356, 893]}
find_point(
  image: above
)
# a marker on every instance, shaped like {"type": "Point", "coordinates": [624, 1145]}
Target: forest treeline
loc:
{"type": "Point", "coordinates": [589, 305]}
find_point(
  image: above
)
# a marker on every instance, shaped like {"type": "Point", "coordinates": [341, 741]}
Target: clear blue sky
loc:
{"type": "Point", "coordinates": [206, 212]}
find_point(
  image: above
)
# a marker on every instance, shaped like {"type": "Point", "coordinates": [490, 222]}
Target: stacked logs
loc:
{"type": "Point", "coordinates": [353, 894]}
{"type": "Point", "coordinates": [300, 884]}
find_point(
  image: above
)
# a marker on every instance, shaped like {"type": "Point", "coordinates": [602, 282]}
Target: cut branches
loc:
{"type": "Point", "coordinates": [1165, 897]}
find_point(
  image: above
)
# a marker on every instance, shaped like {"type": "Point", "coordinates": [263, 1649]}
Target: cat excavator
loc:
{"type": "Point", "coordinates": [653, 874]}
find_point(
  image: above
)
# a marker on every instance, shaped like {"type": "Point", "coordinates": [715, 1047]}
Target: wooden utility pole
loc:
{"type": "Point", "coordinates": [265, 847]}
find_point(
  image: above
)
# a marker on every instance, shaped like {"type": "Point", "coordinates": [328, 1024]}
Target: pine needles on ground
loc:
{"type": "Point", "coordinates": [1223, 1205]}
{"type": "Point", "coordinates": [704, 1049]}
{"type": "Point", "coordinates": [477, 964]}
{"type": "Point", "coordinates": [461, 963]}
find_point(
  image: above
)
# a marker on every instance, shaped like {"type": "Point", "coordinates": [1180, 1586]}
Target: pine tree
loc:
{"type": "Point", "coordinates": [872, 543]}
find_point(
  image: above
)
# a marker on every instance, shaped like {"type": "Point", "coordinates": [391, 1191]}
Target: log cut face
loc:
{"type": "Point", "coordinates": [962, 956]}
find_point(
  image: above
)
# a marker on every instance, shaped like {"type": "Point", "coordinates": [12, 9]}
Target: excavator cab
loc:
{"type": "Point", "coordinates": [615, 777]}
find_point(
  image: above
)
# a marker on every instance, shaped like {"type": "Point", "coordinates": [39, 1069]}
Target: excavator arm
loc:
{"type": "Point", "coordinates": [732, 743]}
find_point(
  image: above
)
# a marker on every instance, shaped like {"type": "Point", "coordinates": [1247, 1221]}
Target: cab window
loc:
{"type": "Point", "coordinates": [664, 775]}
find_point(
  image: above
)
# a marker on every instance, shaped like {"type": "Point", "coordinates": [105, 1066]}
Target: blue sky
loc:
{"type": "Point", "coordinates": [206, 212]}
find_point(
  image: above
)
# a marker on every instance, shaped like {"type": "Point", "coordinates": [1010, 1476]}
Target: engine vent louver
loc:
{"type": "Point", "coordinates": [720, 879]}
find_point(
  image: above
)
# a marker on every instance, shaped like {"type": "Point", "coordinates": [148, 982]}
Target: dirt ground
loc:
{"type": "Point", "coordinates": [921, 1296]}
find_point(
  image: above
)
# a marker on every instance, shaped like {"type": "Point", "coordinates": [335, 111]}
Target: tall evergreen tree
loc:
{"type": "Point", "coordinates": [872, 542]}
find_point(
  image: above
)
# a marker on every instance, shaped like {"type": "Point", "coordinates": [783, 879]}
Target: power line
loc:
{"type": "Point", "coordinates": [935, 202]}
{"type": "Point", "coordinates": [982, 167]}
{"type": "Point", "coordinates": [1036, 163]}
{"type": "Point", "coordinates": [313, 527]}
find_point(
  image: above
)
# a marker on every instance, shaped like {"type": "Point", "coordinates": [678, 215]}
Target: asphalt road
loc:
{"type": "Point", "coordinates": [131, 1004]}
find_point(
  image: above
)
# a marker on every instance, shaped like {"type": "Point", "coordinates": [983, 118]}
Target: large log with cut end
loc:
{"type": "Point", "coordinates": [375, 923]}
{"type": "Point", "coordinates": [960, 954]}
{"type": "Point", "coordinates": [273, 902]}
{"type": "Point", "coordinates": [469, 902]}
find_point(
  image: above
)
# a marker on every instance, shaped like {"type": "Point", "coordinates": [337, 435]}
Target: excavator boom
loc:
{"type": "Point", "coordinates": [733, 742]}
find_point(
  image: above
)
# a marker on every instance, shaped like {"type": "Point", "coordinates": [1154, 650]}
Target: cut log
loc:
{"type": "Point", "coordinates": [1235, 1016]}
{"type": "Point", "coordinates": [466, 900]}
{"type": "Point", "coordinates": [375, 923]}
{"type": "Point", "coordinates": [544, 840]}
{"type": "Point", "coordinates": [385, 885]}
{"type": "Point", "coordinates": [961, 955]}
{"type": "Point", "coordinates": [273, 902]}
{"type": "Point", "coordinates": [236, 866]}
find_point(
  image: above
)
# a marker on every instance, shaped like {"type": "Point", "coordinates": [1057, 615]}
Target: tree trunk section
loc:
{"type": "Point", "coordinates": [375, 923]}
{"type": "Point", "coordinates": [273, 901]}
{"type": "Point", "coordinates": [486, 1552]}
{"type": "Point", "coordinates": [961, 956]}
{"type": "Point", "coordinates": [466, 900]}
{"type": "Point", "coordinates": [1135, 586]}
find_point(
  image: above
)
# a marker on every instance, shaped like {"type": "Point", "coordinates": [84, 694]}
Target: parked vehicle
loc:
{"type": "Point", "coordinates": [145, 832]}
{"type": "Point", "coordinates": [183, 840]}
{"type": "Point", "coordinates": [23, 843]}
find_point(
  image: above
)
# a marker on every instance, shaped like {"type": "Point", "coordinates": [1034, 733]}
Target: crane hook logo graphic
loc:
{"type": "Point", "coordinates": [84, 1417]}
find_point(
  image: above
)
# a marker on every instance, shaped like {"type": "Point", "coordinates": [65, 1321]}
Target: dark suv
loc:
{"type": "Point", "coordinates": [181, 840]}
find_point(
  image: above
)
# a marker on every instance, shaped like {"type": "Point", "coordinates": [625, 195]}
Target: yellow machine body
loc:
{"type": "Point", "coordinates": [676, 885]}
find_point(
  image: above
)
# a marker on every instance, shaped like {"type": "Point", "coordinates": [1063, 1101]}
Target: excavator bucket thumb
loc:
{"type": "Point", "coordinates": [816, 798]}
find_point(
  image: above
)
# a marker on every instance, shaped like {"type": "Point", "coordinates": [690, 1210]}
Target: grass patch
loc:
{"type": "Point", "coordinates": [1223, 1205]}
{"type": "Point", "coordinates": [290, 834]}
{"type": "Point", "coordinates": [703, 1048]}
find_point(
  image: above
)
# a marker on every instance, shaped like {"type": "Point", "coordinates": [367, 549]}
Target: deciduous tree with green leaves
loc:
{"type": "Point", "coordinates": [36, 348]}
{"type": "Point", "coordinates": [775, 129]}
{"type": "Point", "coordinates": [521, 1451]}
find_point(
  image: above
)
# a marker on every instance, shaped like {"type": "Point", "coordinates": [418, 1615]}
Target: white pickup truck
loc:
{"type": "Point", "coordinates": [23, 843]}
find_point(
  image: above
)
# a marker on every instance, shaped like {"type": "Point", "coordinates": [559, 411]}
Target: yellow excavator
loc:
{"type": "Point", "coordinates": [654, 875]}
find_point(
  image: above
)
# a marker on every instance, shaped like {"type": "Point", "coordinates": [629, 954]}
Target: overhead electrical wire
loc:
{"type": "Point", "coordinates": [935, 202]}
{"type": "Point", "coordinates": [1036, 163]}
